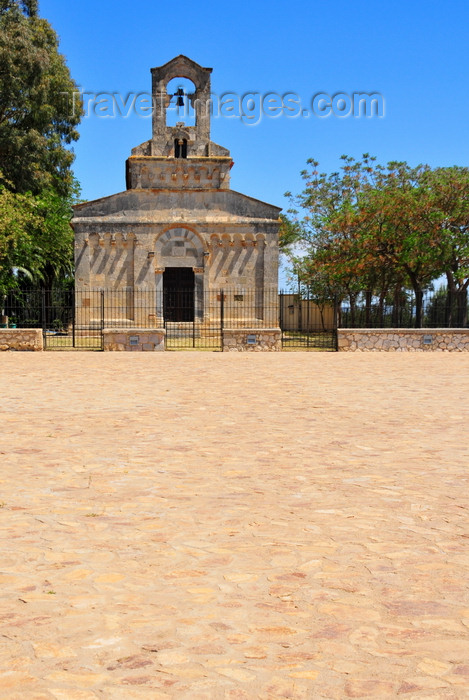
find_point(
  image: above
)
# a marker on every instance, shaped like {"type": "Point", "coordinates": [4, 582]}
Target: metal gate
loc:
{"type": "Point", "coordinates": [193, 319]}
{"type": "Point", "coordinates": [305, 324]}
{"type": "Point", "coordinates": [193, 335]}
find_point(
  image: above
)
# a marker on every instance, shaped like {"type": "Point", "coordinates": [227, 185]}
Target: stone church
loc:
{"type": "Point", "coordinates": [178, 226]}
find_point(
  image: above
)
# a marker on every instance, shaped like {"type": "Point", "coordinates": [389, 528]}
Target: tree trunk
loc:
{"type": "Point", "coordinates": [382, 297]}
{"type": "Point", "coordinates": [395, 316]}
{"type": "Point", "coordinates": [450, 298]}
{"type": "Point", "coordinates": [368, 298]}
{"type": "Point", "coordinates": [417, 287]}
{"type": "Point", "coordinates": [46, 285]}
{"type": "Point", "coordinates": [418, 306]}
{"type": "Point", "coordinates": [461, 305]}
{"type": "Point", "coordinates": [352, 297]}
{"type": "Point", "coordinates": [456, 313]}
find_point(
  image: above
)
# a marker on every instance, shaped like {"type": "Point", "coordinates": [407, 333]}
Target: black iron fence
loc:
{"type": "Point", "coordinates": [305, 324]}
{"type": "Point", "coordinates": [192, 318]}
{"type": "Point", "coordinates": [434, 310]}
{"type": "Point", "coordinates": [196, 318]}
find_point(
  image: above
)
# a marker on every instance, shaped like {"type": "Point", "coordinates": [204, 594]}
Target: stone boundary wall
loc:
{"type": "Point", "coordinates": [252, 340]}
{"type": "Point", "coordinates": [134, 339]}
{"type": "Point", "coordinates": [403, 339]}
{"type": "Point", "coordinates": [21, 339]}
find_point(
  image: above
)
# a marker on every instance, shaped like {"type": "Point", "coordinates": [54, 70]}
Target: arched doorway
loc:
{"type": "Point", "coordinates": [178, 294]}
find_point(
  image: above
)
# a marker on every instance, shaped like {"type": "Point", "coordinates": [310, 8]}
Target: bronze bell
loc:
{"type": "Point", "coordinates": [180, 95]}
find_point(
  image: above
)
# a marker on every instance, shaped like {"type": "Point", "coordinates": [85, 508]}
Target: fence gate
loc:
{"type": "Point", "coordinates": [194, 319]}
{"type": "Point", "coordinates": [306, 325]}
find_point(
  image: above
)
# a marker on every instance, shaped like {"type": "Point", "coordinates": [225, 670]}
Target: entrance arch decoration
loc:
{"type": "Point", "coordinates": [179, 254]}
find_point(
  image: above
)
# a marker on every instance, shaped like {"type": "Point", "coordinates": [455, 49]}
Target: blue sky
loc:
{"type": "Point", "coordinates": [414, 53]}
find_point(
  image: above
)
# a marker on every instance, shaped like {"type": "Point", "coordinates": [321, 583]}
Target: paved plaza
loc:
{"type": "Point", "coordinates": [234, 526]}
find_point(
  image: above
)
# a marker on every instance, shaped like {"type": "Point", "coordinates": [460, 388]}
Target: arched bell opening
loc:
{"type": "Point", "coordinates": [180, 148]}
{"type": "Point", "coordinates": [180, 91]}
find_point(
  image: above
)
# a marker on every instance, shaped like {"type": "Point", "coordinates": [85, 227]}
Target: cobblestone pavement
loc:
{"type": "Point", "coordinates": [234, 526]}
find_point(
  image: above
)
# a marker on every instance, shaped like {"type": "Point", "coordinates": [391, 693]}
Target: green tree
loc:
{"type": "Point", "coordinates": [450, 191]}
{"type": "Point", "coordinates": [329, 226]}
{"type": "Point", "coordinates": [400, 227]}
{"type": "Point", "coordinates": [289, 233]}
{"type": "Point", "coordinates": [53, 237]}
{"type": "Point", "coordinates": [18, 219]}
{"type": "Point", "coordinates": [37, 123]}
{"type": "Point", "coordinates": [373, 229]}
{"type": "Point", "coordinates": [29, 7]}
{"type": "Point", "coordinates": [37, 127]}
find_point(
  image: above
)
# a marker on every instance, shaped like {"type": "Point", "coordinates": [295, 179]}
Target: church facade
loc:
{"type": "Point", "coordinates": [178, 228]}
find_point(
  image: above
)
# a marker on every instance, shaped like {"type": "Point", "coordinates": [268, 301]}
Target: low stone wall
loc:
{"type": "Point", "coordinates": [21, 339]}
{"type": "Point", "coordinates": [403, 339]}
{"type": "Point", "coordinates": [134, 339]}
{"type": "Point", "coordinates": [252, 340]}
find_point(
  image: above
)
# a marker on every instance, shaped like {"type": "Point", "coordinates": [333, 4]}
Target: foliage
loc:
{"type": "Point", "coordinates": [382, 229]}
{"type": "Point", "coordinates": [36, 120]}
{"type": "Point", "coordinates": [27, 7]}
{"type": "Point", "coordinates": [18, 218]}
{"type": "Point", "coordinates": [289, 233]}
{"type": "Point", "coordinates": [450, 188]}
{"type": "Point", "coordinates": [36, 239]}
{"type": "Point", "coordinates": [37, 126]}
{"type": "Point", "coordinates": [54, 238]}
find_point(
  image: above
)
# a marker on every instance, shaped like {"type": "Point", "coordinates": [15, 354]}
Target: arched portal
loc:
{"type": "Point", "coordinates": [179, 254]}
{"type": "Point", "coordinates": [178, 294]}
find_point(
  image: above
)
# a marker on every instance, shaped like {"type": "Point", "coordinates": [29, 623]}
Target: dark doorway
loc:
{"type": "Point", "coordinates": [178, 294]}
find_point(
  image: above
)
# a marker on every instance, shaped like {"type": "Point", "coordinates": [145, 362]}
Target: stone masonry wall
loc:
{"type": "Point", "coordinates": [134, 339]}
{"type": "Point", "coordinates": [403, 339]}
{"type": "Point", "coordinates": [252, 340]}
{"type": "Point", "coordinates": [21, 339]}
